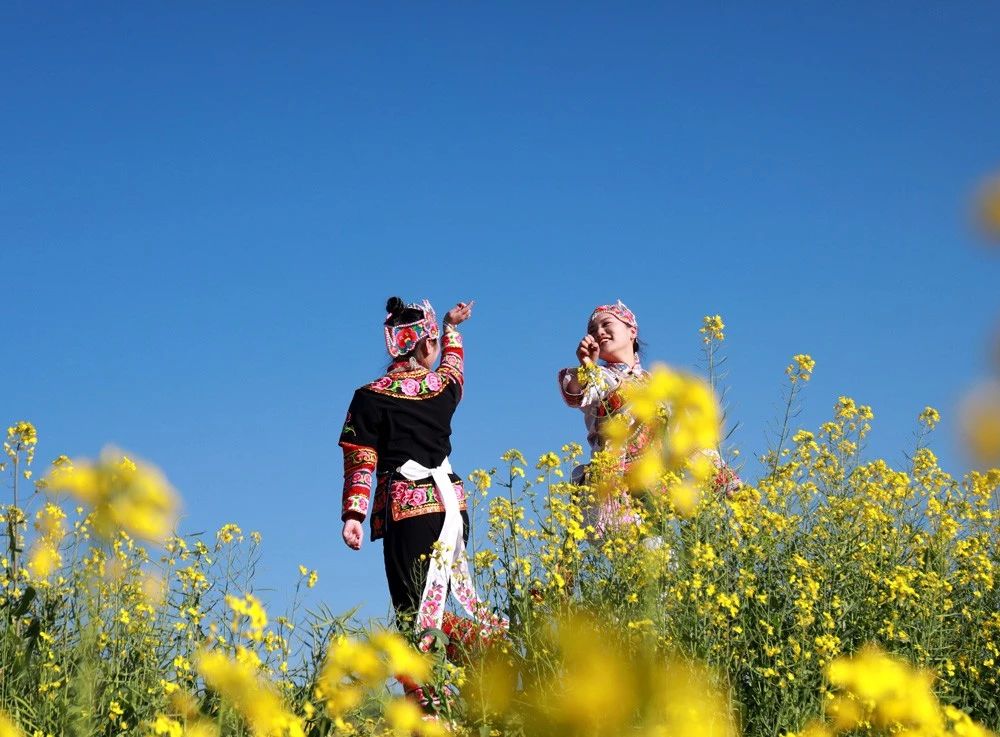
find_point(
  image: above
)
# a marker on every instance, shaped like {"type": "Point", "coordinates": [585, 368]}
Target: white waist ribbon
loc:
{"type": "Point", "coordinates": [448, 564]}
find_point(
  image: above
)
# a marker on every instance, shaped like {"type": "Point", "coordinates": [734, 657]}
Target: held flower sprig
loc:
{"type": "Point", "coordinates": [590, 374]}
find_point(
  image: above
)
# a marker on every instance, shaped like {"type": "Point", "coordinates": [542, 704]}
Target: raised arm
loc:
{"type": "Point", "coordinates": [569, 383]}
{"type": "Point", "coordinates": [452, 362]}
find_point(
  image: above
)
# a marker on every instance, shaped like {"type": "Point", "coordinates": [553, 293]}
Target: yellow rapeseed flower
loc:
{"type": "Point", "coordinates": [884, 690]}
{"type": "Point", "coordinates": [403, 658]}
{"type": "Point", "coordinates": [514, 455]}
{"type": "Point", "coordinates": [930, 417]}
{"type": "Point", "coordinates": [980, 419]}
{"type": "Point", "coordinates": [711, 328]}
{"type": "Point", "coordinates": [164, 725]}
{"type": "Point", "coordinates": [124, 494]}
{"type": "Point", "coordinates": [480, 479]}
{"type": "Point", "coordinates": [255, 699]}
{"type": "Point", "coordinates": [801, 367]}
{"type": "Point", "coordinates": [44, 559]}
{"type": "Point", "coordinates": [8, 728]}
{"type": "Point", "coordinates": [248, 606]}
{"type": "Point", "coordinates": [406, 719]}
{"type": "Point", "coordinates": [989, 208]}
{"type": "Point", "coordinates": [22, 437]}
{"type": "Point", "coordinates": [687, 705]}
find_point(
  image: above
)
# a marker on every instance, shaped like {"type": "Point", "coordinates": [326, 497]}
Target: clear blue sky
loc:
{"type": "Point", "coordinates": [205, 205]}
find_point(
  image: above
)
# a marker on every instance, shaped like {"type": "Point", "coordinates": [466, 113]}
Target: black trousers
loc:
{"type": "Point", "coordinates": [403, 545]}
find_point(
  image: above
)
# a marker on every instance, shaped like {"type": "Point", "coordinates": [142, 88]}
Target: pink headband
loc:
{"type": "Point", "coordinates": [619, 310]}
{"type": "Point", "coordinates": [401, 339]}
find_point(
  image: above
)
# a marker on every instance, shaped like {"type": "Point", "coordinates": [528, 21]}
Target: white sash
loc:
{"type": "Point", "coordinates": [449, 565]}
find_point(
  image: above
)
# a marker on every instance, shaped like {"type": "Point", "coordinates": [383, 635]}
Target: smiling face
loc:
{"type": "Point", "coordinates": [616, 339]}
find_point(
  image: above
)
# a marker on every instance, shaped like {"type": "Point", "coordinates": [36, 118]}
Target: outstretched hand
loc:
{"type": "Point", "coordinates": [588, 351]}
{"type": "Point", "coordinates": [353, 533]}
{"type": "Point", "coordinates": [459, 313]}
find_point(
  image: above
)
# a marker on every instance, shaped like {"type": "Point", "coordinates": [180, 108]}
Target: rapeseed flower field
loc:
{"type": "Point", "coordinates": [833, 594]}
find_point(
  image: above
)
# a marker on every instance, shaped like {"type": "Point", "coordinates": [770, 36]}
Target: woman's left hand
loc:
{"type": "Point", "coordinates": [459, 313]}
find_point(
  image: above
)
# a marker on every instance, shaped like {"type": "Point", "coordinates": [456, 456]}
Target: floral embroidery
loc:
{"type": "Point", "coordinates": [412, 384]}
{"type": "Point", "coordinates": [401, 339]}
{"type": "Point", "coordinates": [405, 340]}
{"type": "Point", "coordinates": [452, 366]}
{"type": "Point", "coordinates": [359, 465]}
{"type": "Point", "coordinates": [413, 498]}
{"type": "Point", "coordinates": [452, 356]}
{"type": "Point", "coordinates": [356, 503]}
{"type": "Point", "coordinates": [431, 607]}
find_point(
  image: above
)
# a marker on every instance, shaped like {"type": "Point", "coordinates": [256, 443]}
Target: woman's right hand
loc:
{"type": "Point", "coordinates": [588, 350]}
{"type": "Point", "coordinates": [459, 313]}
{"type": "Point", "coordinates": [354, 533]}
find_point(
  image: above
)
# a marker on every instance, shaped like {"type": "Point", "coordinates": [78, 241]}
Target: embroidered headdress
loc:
{"type": "Point", "coordinates": [403, 338]}
{"type": "Point", "coordinates": [619, 310]}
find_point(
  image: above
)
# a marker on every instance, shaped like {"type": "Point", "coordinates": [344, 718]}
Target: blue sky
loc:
{"type": "Point", "coordinates": [205, 207]}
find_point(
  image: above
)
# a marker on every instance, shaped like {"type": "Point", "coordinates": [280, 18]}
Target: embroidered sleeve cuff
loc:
{"type": "Point", "coordinates": [355, 507]}
{"type": "Point", "coordinates": [359, 466]}
{"type": "Point", "coordinates": [452, 355]}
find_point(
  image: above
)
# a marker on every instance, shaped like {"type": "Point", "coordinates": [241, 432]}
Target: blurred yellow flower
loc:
{"type": "Point", "coordinates": [980, 422]}
{"type": "Point", "coordinates": [124, 494]}
{"type": "Point", "coordinates": [255, 699]}
{"type": "Point", "coordinates": [44, 559]}
{"type": "Point", "coordinates": [406, 719]}
{"type": "Point", "coordinates": [164, 725]}
{"type": "Point", "coordinates": [8, 728]}
{"type": "Point", "coordinates": [248, 606]}
{"type": "Point", "coordinates": [404, 659]}
{"type": "Point", "coordinates": [884, 690]}
{"type": "Point", "coordinates": [989, 207]}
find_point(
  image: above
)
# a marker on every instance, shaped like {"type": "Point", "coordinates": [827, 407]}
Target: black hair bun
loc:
{"type": "Point", "coordinates": [394, 305]}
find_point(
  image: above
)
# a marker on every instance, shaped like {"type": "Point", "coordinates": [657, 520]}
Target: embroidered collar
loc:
{"type": "Point", "coordinates": [410, 383]}
{"type": "Point", "coordinates": [624, 369]}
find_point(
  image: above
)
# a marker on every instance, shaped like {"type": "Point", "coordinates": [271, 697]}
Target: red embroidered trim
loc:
{"type": "Point", "coordinates": [359, 466]}
{"type": "Point", "coordinates": [412, 499]}
{"type": "Point", "coordinates": [452, 356]}
{"type": "Point", "coordinates": [415, 384]}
